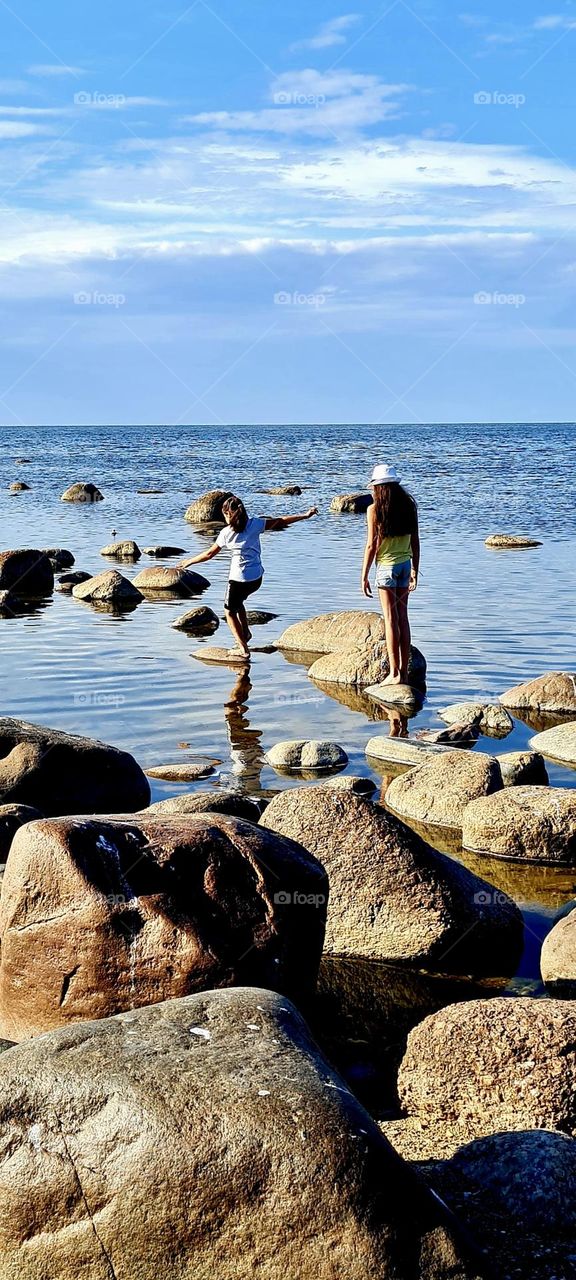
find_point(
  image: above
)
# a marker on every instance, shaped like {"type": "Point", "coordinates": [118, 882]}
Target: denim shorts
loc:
{"type": "Point", "coordinates": [394, 576]}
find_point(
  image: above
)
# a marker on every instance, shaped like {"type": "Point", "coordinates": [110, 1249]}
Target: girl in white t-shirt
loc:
{"type": "Point", "coordinates": [241, 539]}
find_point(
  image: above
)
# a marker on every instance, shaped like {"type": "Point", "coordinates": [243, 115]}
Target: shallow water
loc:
{"type": "Point", "coordinates": [485, 620]}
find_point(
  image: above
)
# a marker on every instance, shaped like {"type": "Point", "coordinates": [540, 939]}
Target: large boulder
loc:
{"type": "Point", "coordinates": [208, 508]}
{"type": "Point", "coordinates": [176, 581]}
{"type": "Point", "coordinates": [302, 753]}
{"type": "Point", "coordinates": [558, 958]}
{"type": "Point", "coordinates": [554, 691]}
{"type": "Point", "coordinates": [82, 493]}
{"type": "Point", "coordinates": [58, 772]}
{"type": "Point", "coordinates": [558, 743]}
{"type": "Point", "coordinates": [363, 667]}
{"type": "Point", "coordinates": [109, 587]}
{"type": "Point", "coordinates": [26, 573]}
{"type": "Point", "coordinates": [510, 541]}
{"type": "Point", "coordinates": [234, 803]}
{"type": "Point", "coordinates": [12, 817]}
{"type": "Point", "coordinates": [487, 716]}
{"type": "Point", "coordinates": [392, 896]}
{"type": "Point", "coordinates": [438, 791]}
{"type": "Point", "coordinates": [534, 824]}
{"type": "Point", "coordinates": [127, 550]}
{"type": "Point", "coordinates": [351, 503]}
{"type": "Point", "coordinates": [334, 632]}
{"type": "Point", "coordinates": [102, 915]}
{"type": "Point", "coordinates": [201, 620]}
{"type": "Point", "coordinates": [493, 1064]}
{"type": "Point", "coordinates": [205, 1137]}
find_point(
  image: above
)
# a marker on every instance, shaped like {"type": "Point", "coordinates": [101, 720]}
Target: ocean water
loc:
{"type": "Point", "coordinates": [485, 620]}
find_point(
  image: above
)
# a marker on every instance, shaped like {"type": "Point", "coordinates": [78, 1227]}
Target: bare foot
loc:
{"type": "Point", "coordinates": [239, 653]}
{"type": "Point", "coordinates": [394, 677]}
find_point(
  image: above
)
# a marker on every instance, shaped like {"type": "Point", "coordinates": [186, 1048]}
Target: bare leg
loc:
{"type": "Point", "coordinates": [389, 604]}
{"type": "Point", "coordinates": [237, 630]}
{"type": "Point", "coordinates": [243, 622]}
{"type": "Point", "coordinates": [403, 597]}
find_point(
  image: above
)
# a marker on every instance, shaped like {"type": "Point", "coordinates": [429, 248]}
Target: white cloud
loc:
{"type": "Point", "coordinates": [53, 69]}
{"type": "Point", "coordinates": [554, 22]}
{"type": "Point", "coordinates": [31, 111]}
{"type": "Point", "coordinates": [330, 33]}
{"type": "Point", "coordinates": [314, 103]}
{"type": "Point", "coordinates": [19, 129]}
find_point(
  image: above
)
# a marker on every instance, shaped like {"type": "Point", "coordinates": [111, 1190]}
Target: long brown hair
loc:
{"type": "Point", "coordinates": [395, 511]}
{"type": "Point", "coordinates": [236, 514]}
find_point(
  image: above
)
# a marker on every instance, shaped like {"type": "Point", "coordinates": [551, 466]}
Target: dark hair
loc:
{"type": "Point", "coordinates": [235, 513]}
{"type": "Point", "coordinates": [395, 511]}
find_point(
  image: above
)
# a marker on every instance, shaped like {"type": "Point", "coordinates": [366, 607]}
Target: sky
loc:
{"type": "Point", "coordinates": [285, 212]}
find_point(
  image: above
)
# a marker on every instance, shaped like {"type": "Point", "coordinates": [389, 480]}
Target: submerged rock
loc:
{"type": "Point", "coordinates": [351, 503]}
{"type": "Point", "coordinates": [300, 753]}
{"type": "Point", "coordinates": [201, 619]}
{"type": "Point", "coordinates": [12, 817]}
{"type": "Point", "coordinates": [110, 587]}
{"type": "Point", "coordinates": [162, 552]}
{"type": "Point", "coordinates": [68, 581]}
{"type": "Point", "coordinates": [522, 769]}
{"type": "Point", "coordinates": [487, 716]}
{"type": "Point", "coordinates": [18, 486]}
{"type": "Point", "coordinates": [101, 914]}
{"type": "Point", "coordinates": [229, 1141]}
{"type": "Point", "coordinates": [186, 772]}
{"type": "Point", "coordinates": [26, 573]}
{"type": "Point", "coordinates": [56, 772]}
{"type": "Point", "coordinates": [393, 897]}
{"type": "Point", "coordinates": [208, 508]}
{"type": "Point", "coordinates": [493, 1064]}
{"type": "Point", "coordinates": [177, 581]}
{"type": "Point", "coordinates": [288, 490]}
{"type": "Point", "coordinates": [233, 803]}
{"type": "Point", "coordinates": [82, 493]}
{"type": "Point", "coordinates": [558, 743]}
{"type": "Point", "coordinates": [259, 617]}
{"type": "Point", "coordinates": [558, 958]}
{"type": "Point", "coordinates": [533, 824]}
{"type": "Point", "coordinates": [127, 550]}
{"type": "Point", "coordinates": [60, 558]}
{"type": "Point", "coordinates": [510, 541]}
{"type": "Point", "coordinates": [554, 691]}
{"type": "Point", "coordinates": [438, 791]}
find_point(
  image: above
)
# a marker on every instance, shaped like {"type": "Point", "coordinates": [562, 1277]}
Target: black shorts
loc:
{"type": "Point", "coordinates": [238, 592]}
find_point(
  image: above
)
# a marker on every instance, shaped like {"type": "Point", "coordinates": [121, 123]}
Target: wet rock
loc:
{"type": "Point", "coordinates": [26, 573]}
{"type": "Point", "coordinates": [392, 896]}
{"type": "Point", "coordinates": [488, 717]}
{"type": "Point", "coordinates": [558, 743]}
{"type": "Point", "coordinates": [214, 653]}
{"type": "Point", "coordinates": [493, 1064]}
{"type": "Point", "coordinates": [233, 803]}
{"type": "Point", "coordinates": [259, 617]}
{"type": "Point", "coordinates": [12, 817]}
{"type": "Point", "coordinates": [149, 491]}
{"type": "Point", "coordinates": [534, 824]}
{"type": "Point", "coordinates": [351, 503]}
{"type": "Point", "coordinates": [177, 581]}
{"type": "Point", "coordinates": [558, 958]}
{"type": "Point", "coordinates": [364, 667]}
{"type": "Point", "coordinates": [301, 754]}
{"type": "Point", "coordinates": [438, 791]}
{"type": "Point", "coordinates": [186, 772]}
{"type": "Point", "coordinates": [68, 581]}
{"type": "Point", "coordinates": [522, 769]}
{"type": "Point", "coordinates": [396, 695]}
{"type": "Point", "coordinates": [554, 692]}
{"type": "Point", "coordinates": [208, 508]}
{"type": "Point", "coordinates": [233, 1148]}
{"type": "Point", "coordinates": [56, 772]}
{"type": "Point", "coordinates": [351, 782]}
{"type": "Point", "coordinates": [202, 619]}
{"type": "Point", "coordinates": [18, 486]}
{"type": "Point", "coordinates": [60, 558]}
{"type": "Point", "coordinates": [409, 751]}
{"type": "Point", "coordinates": [127, 550]}
{"type": "Point", "coordinates": [510, 541]}
{"type": "Point", "coordinates": [334, 632]}
{"type": "Point", "coordinates": [289, 490]}
{"type": "Point", "coordinates": [9, 604]}
{"type": "Point", "coordinates": [101, 914]}
{"type": "Point", "coordinates": [162, 552]}
{"type": "Point", "coordinates": [458, 735]}
{"type": "Point", "coordinates": [110, 587]}
{"type": "Point", "coordinates": [21, 461]}
{"type": "Point", "coordinates": [82, 493]}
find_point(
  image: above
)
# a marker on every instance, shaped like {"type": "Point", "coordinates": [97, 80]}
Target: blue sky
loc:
{"type": "Point", "coordinates": [287, 213]}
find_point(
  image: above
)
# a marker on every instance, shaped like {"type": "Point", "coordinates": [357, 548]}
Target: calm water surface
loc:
{"type": "Point", "coordinates": [485, 620]}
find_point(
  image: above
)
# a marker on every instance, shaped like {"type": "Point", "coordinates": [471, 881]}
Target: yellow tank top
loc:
{"type": "Point", "coordinates": [395, 550]}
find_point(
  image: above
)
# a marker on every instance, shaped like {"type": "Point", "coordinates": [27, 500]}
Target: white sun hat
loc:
{"type": "Point", "coordinates": [384, 475]}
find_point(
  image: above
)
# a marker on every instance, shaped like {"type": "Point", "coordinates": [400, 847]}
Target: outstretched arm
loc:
{"type": "Point", "coordinates": [212, 551]}
{"type": "Point", "coordinates": [282, 522]}
{"type": "Point", "coordinates": [369, 551]}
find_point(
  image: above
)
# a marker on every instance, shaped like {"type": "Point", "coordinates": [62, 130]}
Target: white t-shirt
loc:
{"type": "Point", "coordinates": [244, 548]}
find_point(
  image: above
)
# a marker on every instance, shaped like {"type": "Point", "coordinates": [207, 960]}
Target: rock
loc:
{"type": "Point", "coordinates": [392, 896]}
{"type": "Point", "coordinates": [351, 782]}
{"type": "Point", "coordinates": [334, 632]}
{"type": "Point", "coordinates": [510, 541]}
{"type": "Point", "coordinates": [187, 772]}
{"type": "Point", "coordinates": [534, 824]}
{"type": "Point", "coordinates": [289, 490]}
{"type": "Point", "coordinates": [233, 803]}
{"type": "Point", "coordinates": [109, 586]}
{"type": "Point", "coordinates": [208, 508]}
{"type": "Point", "coordinates": [26, 573]}
{"type": "Point", "coordinates": [212, 653]}
{"type": "Point", "coordinates": [127, 550]}
{"type": "Point", "coordinates": [60, 558]}
{"type": "Point", "coordinates": [177, 581]}
{"type": "Point", "coordinates": [555, 691]}
{"type": "Point", "coordinates": [523, 768]}
{"type": "Point", "coordinates": [301, 754]}
{"type": "Point", "coordinates": [82, 493]}
{"type": "Point", "coordinates": [458, 735]}
{"type": "Point", "coordinates": [489, 717]}
{"type": "Point", "coordinates": [149, 491]}
{"type": "Point", "coordinates": [68, 581]}
{"type": "Point", "coordinates": [493, 1064]}
{"type": "Point", "coordinates": [393, 695]}
{"type": "Point", "coordinates": [351, 503]}
{"type": "Point", "coordinates": [13, 816]}
{"type": "Point", "coordinates": [558, 958]}
{"type": "Point", "coordinates": [100, 915]}
{"type": "Point", "coordinates": [409, 751]}
{"type": "Point", "coordinates": [201, 619]}
{"type": "Point", "coordinates": [56, 772]}
{"type": "Point", "coordinates": [229, 1141]}
{"type": "Point", "coordinates": [163, 552]}
{"type": "Point", "coordinates": [21, 461]}
{"type": "Point", "coordinates": [259, 617]}
{"type": "Point", "coordinates": [18, 486]}
{"type": "Point", "coordinates": [364, 667]}
{"type": "Point", "coordinates": [558, 743]}
{"type": "Point", "coordinates": [438, 791]}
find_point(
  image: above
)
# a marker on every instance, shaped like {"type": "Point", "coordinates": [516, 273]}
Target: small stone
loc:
{"type": "Point", "coordinates": [459, 735]}
{"type": "Point", "coordinates": [488, 716]}
{"type": "Point", "coordinates": [393, 695]}
{"type": "Point", "coordinates": [533, 824]}
{"type": "Point", "coordinates": [523, 769]}
{"type": "Point", "coordinates": [201, 619]}
{"type": "Point", "coordinates": [189, 772]}
{"type": "Point", "coordinates": [306, 754]}
{"type": "Point", "coordinates": [211, 653]}
{"type": "Point", "coordinates": [18, 486]}
{"type": "Point", "coordinates": [163, 552]}
{"type": "Point", "coordinates": [558, 743]}
{"type": "Point", "coordinates": [127, 550]}
{"type": "Point", "coordinates": [68, 581]}
{"type": "Point", "coordinates": [259, 617]}
{"type": "Point", "coordinates": [109, 586]}
{"type": "Point", "coordinates": [288, 490]}
{"type": "Point", "coordinates": [82, 493]}
{"type": "Point", "coordinates": [438, 791]}
{"type": "Point", "coordinates": [510, 541]}
{"type": "Point", "coordinates": [351, 503]}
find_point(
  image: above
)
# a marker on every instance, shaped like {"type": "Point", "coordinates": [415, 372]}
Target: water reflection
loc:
{"type": "Point", "coordinates": [246, 753]}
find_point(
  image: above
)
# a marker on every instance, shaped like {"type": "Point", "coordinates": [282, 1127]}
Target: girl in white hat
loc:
{"type": "Point", "coordinates": [393, 542]}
